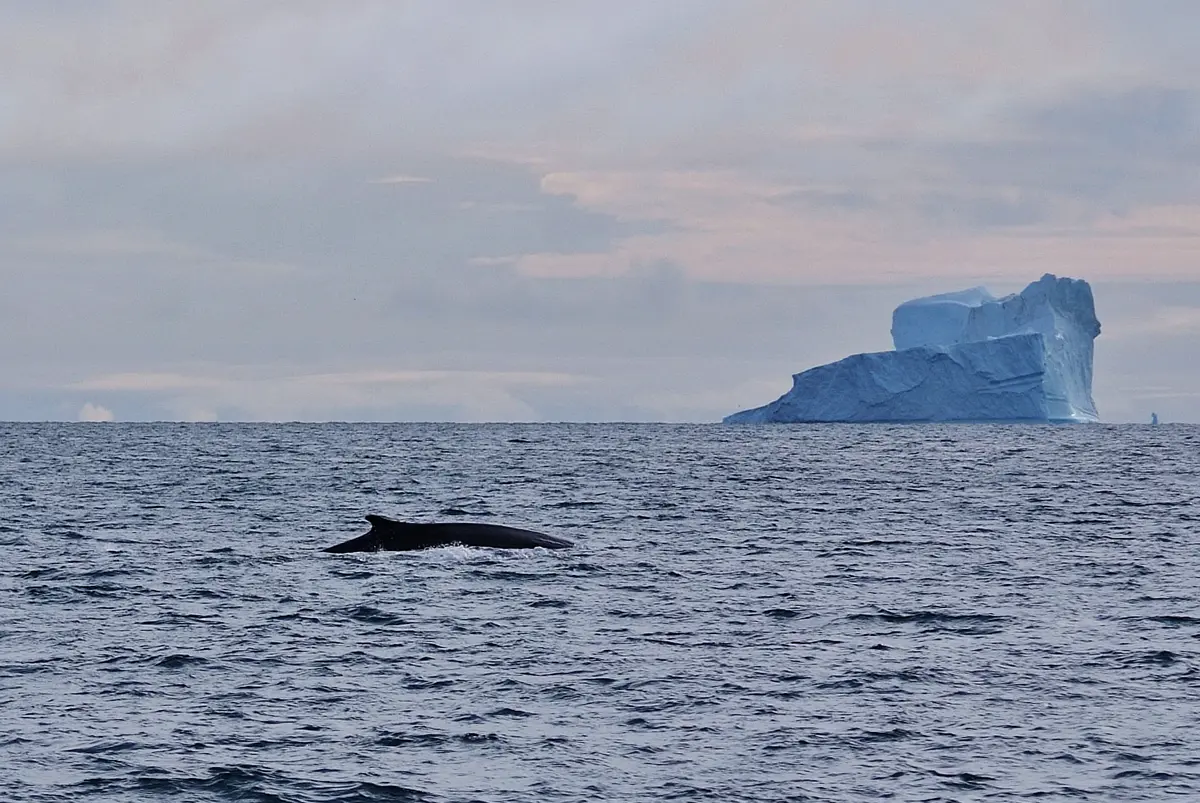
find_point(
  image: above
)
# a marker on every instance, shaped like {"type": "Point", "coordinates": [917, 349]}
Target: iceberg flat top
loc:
{"type": "Point", "coordinates": [936, 320]}
{"type": "Point", "coordinates": [972, 297]}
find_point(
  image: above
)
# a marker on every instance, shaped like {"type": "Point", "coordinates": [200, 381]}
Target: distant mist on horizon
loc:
{"type": "Point", "coordinates": [523, 211]}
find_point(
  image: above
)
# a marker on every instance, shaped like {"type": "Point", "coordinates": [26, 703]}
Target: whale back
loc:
{"type": "Point", "coordinates": [389, 534]}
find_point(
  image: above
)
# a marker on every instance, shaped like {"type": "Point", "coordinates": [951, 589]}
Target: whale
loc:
{"type": "Point", "coordinates": [389, 535]}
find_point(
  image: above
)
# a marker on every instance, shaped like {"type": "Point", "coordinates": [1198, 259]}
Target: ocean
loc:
{"type": "Point", "coordinates": [785, 613]}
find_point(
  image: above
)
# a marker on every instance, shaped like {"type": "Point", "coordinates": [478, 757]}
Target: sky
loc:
{"type": "Point", "coordinates": [573, 210]}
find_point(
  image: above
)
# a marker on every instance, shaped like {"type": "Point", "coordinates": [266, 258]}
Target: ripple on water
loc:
{"type": "Point", "coordinates": [750, 614]}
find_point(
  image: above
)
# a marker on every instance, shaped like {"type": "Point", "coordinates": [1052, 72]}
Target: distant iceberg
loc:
{"type": "Point", "coordinates": [964, 356]}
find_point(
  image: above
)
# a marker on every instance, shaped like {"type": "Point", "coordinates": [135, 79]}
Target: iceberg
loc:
{"type": "Point", "coordinates": [965, 356]}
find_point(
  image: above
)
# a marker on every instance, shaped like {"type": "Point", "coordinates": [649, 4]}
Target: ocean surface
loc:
{"type": "Point", "coordinates": [789, 613]}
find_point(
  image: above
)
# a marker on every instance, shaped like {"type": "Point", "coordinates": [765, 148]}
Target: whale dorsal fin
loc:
{"type": "Point", "coordinates": [381, 521]}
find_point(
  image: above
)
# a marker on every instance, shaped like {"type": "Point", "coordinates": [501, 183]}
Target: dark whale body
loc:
{"type": "Point", "coordinates": [398, 536]}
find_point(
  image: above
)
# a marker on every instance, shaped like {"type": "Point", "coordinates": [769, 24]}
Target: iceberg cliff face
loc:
{"type": "Point", "coordinates": [965, 356]}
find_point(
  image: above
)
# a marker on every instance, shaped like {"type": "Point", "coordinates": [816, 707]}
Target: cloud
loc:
{"type": "Point", "coordinates": [402, 179]}
{"type": "Point", "coordinates": [725, 226]}
{"type": "Point", "coordinates": [327, 217]}
{"type": "Point", "coordinates": [305, 78]}
{"type": "Point", "coordinates": [949, 121]}
{"type": "Point", "coordinates": [150, 382]}
{"type": "Point", "coordinates": [1163, 322]}
{"type": "Point", "coordinates": [457, 395]}
{"type": "Point", "coordinates": [94, 412]}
